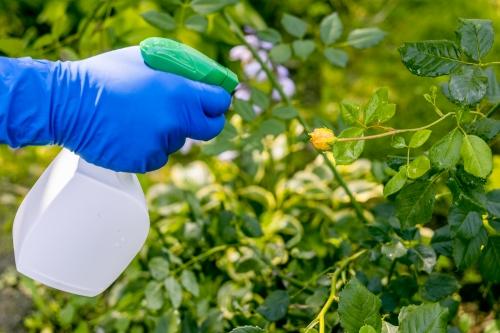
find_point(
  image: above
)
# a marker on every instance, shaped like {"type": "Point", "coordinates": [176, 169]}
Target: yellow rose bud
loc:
{"type": "Point", "coordinates": [322, 138]}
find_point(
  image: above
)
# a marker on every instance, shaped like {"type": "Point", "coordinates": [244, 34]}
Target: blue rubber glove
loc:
{"type": "Point", "coordinates": [111, 109]}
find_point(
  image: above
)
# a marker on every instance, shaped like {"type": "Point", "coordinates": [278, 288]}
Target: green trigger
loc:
{"type": "Point", "coordinates": [173, 57]}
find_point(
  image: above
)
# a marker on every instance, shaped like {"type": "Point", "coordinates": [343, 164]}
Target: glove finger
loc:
{"type": "Point", "coordinates": [206, 128]}
{"type": "Point", "coordinates": [154, 162]}
{"type": "Point", "coordinates": [214, 100]}
{"type": "Point", "coordinates": [174, 144]}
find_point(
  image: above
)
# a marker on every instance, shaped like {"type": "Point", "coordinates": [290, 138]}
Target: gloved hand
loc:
{"type": "Point", "coordinates": [111, 109]}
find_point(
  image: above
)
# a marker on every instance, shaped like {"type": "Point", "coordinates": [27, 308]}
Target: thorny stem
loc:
{"type": "Point", "coordinates": [320, 318]}
{"type": "Point", "coordinates": [396, 131]}
{"type": "Point", "coordinates": [276, 85]}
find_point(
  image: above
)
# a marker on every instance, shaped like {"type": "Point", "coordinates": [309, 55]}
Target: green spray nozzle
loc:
{"type": "Point", "coordinates": [170, 56]}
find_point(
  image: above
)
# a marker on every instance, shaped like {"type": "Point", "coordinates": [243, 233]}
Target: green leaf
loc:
{"type": "Point", "coordinates": [358, 307]}
{"type": "Point", "coordinates": [158, 267]}
{"type": "Point", "coordinates": [83, 327]}
{"type": "Point", "coordinates": [478, 160]}
{"type": "Point", "coordinates": [220, 30]}
{"type": "Point", "coordinates": [445, 153]}
{"type": "Point", "coordinates": [331, 28]}
{"type": "Point", "coordinates": [379, 97]}
{"type": "Point", "coordinates": [386, 112]}
{"type": "Point", "coordinates": [247, 265]}
{"type": "Point", "coordinates": [271, 127]}
{"type": "Point", "coordinates": [393, 250]}
{"type": "Point", "coordinates": [467, 251]}
{"type": "Point", "coordinates": [260, 98]}
{"type": "Point", "coordinates": [441, 241]}
{"type": "Point", "coordinates": [493, 91]}
{"type": "Point", "coordinates": [197, 23]}
{"type": "Point", "coordinates": [396, 183]}
{"type": "Point", "coordinates": [336, 57]}
{"type": "Point", "coordinates": [467, 188]}
{"type": "Point", "coordinates": [318, 298]}
{"type": "Point", "coordinates": [247, 329]}
{"type": "Point", "coordinates": [188, 281]}
{"type": "Point", "coordinates": [160, 20]}
{"type": "Point", "coordinates": [303, 48]}
{"type": "Point", "coordinates": [275, 305]}
{"type": "Point", "coordinates": [418, 167]}
{"type": "Point", "coordinates": [485, 128]}
{"type": "Point", "coordinates": [269, 35]}
{"type": "Point", "coordinates": [363, 38]}
{"type": "Point", "coordinates": [281, 53]}
{"type": "Point", "coordinates": [244, 109]}
{"type": "Point", "coordinates": [166, 321]}
{"type": "Point", "coordinates": [226, 228]}
{"type": "Point", "coordinates": [13, 47]}
{"type": "Point", "coordinates": [428, 318]}
{"type": "Point", "coordinates": [476, 37]}
{"type": "Point", "coordinates": [121, 324]}
{"type": "Point", "coordinates": [464, 222]}
{"type": "Point", "coordinates": [439, 285]}
{"type": "Point", "coordinates": [419, 138]}
{"type": "Point", "coordinates": [348, 152]}
{"type": "Point", "coordinates": [285, 112]}
{"type": "Point", "coordinates": [351, 112]}
{"type": "Point", "coordinates": [66, 315]}
{"type": "Point", "coordinates": [251, 226]}
{"type": "Point", "coordinates": [174, 291]}
{"type": "Point", "coordinates": [424, 258]}
{"type": "Point", "coordinates": [294, 25]}
{"type": "Point", "coordinates": [398, 142]}
{"type": "Point", "coordinates": [378, 109]}
{"type": "Point", "coordinates": [430, 58]}
{"type": "Point", "coordinates": [259, 195]}
{"type": "Point", "coordinates": [217, 146]}
{"type": "Point", "coordinates": [493, 203]}
{"type": "Point", "coordinates": [468, 85]}
{"type": "Point", "coordinates": [210, 6]}
{"type": "Point", "coordinates": [389, 328]}
{"type": "Point", "coordinates": [415, 203]}
{"type": "Point", "coordinates": [489, 264]}
{"type": "Point", "coordinates": [154, 295]}
{"type": "Point", "coordinates": [367, 329]}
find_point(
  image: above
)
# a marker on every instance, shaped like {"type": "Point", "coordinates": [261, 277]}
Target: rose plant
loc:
{"type": "Point", "coordinates": [279, 224]}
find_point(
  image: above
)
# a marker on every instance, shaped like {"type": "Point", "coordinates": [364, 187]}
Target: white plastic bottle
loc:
{"type": "Point", "coordinates": [80, 226]}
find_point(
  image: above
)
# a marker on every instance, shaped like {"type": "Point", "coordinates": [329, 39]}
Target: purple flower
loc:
{"type": "Point", "coordinates": [241, 53]}
{"type": "Point", "coordinates": [253, 70]}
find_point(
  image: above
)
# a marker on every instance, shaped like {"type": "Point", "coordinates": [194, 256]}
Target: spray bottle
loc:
{"type": "Point", "coordinates": [81, 225]}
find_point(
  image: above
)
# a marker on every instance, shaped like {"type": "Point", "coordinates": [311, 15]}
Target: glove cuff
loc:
{"type": "Point", "coordinates": [26, 93]}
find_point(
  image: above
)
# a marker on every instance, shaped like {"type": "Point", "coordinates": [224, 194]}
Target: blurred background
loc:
{"type": "Point", "coordinates": [70, 30]}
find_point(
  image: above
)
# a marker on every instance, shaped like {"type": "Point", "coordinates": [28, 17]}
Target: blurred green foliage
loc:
{"type": "Point", "coordinates": [246, 229]}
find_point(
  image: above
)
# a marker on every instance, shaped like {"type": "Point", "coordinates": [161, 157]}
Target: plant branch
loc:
{"type": "Point", "coordinates": [486, 64]}
{"type": "Point", "coordinates": [200, 257]}
{"type": "Point", "coordinates": [320, 318]}
{"type": "Point", "coordinates": [493, 109]}
{"type": "Point", "coordinates": [276, 85]}
{"type": "Point", "coordinates": [394, 132]}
